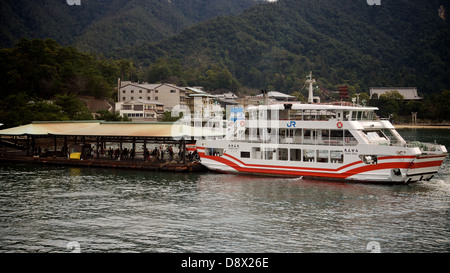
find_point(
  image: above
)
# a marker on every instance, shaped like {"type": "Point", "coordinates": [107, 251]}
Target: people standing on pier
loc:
{"type": "Point", "coordinates": [146, 154]}
{"type": "Point", "coordinates": [170, 153]}
{"type": "Point", "coordinates": [161, 153]}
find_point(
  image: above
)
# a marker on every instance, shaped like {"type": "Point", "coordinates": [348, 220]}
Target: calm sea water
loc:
{"type": "Point", "coordinates": [60, 209]}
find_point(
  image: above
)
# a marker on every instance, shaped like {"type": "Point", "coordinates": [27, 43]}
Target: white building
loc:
{"type": "Point", "coordinates": [167, 94]}
{"type": "Point", "coordinates": [141, 110]}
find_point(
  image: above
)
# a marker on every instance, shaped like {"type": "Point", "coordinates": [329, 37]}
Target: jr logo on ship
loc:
{"type": "Point", "coordinates": [291, 124]}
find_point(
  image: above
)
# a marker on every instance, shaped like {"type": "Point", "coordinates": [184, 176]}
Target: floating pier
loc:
{"type": "Point", "coordinates": [98, 163]}
{"type": "Point", "coordinates": [141, 146]}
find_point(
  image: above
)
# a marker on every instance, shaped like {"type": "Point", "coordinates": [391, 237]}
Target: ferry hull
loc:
{"type": "Point", "coordinates": [390, 169]}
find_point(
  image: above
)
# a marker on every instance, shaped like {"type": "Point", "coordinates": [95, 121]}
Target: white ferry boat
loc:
{"type": "Point", "coordinates": [332, 142]}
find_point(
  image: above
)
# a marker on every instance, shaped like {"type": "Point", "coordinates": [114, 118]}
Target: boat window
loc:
{"type": "Point", "coordinates": [286, 135]}
{"type": "Point", "coordinates": [393, 136]}
{"type": "Point", "coordinates": [268, 153]}
{"type": "Point", "coordinates": [282, 154]}
{"type": "Point", "coordinates": [284, 114]}
{"type": "Point", "coordinates": [346, 115]}
{"type": "Point", "coordinates": [369, 159]}
{"type": "Point", "coordinates": [375, 136]}
{"type": "Point", "coordinates": [336, 137]}
{"type": "Point", "coordinates": [256, 153]}
{"type": "Point", "coordinates": [245, 154]}
{"type": "Point", "coordinates": [323, 137]}
{"type": "Point", "coordinates": [349, 139]}
{"type": "Point", "coordinates": [365, 115]}
{"type": "Point", "coordinates": [310, 114]}
{"type": "Point", "coordinates": [214, 151]}
{"type": "Point", "coordinates": [308, 155]}
{"type": "Point", "coordinates": [337, 156]}
{"type": "Point", "coordinates": [309, 136]}
{"type": "Point", "coordinates": [322, 156]}
{"type": "Point", "coordinates": [295, 114]}
{"type": "Point", "coordinates": [298, 135]}
{"type": "Point", "coordinates": [296, 155]}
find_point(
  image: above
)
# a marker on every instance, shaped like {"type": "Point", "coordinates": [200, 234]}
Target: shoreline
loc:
{"type": "Point", "coordinates": [419, 126]}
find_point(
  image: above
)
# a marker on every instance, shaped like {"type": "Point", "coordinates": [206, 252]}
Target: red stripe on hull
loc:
{"type": "Point", "coordinates": [426, 164]}
{"type": "Point", "coordinates": [298, 171]}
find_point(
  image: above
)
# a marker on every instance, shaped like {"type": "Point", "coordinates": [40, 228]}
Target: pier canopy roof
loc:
{"type": "Point", "coordinates": [112, 129]}
{"type": "Point", "coordinates": [47, 127]}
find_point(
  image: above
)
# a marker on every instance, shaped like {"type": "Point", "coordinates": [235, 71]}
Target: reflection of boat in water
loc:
{"type": "Point", "coordinates": [324, 141]}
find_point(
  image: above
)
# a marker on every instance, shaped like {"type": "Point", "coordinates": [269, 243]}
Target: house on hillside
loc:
{"type": "Point", "coordinates": [200, 103]}
{"type": "Point", "coordinates": [227, 99]}
{"type": "Point", "coordinates": [167, 94]}
{"type": "Point", "coordinates": [141, 110]}
{"type": "Point", "coordinates": [409, 93]}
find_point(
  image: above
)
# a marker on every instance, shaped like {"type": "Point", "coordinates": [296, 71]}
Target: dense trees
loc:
{"type": "Point", "coordinates": [40, 80]}
{"type": "Point", "coordinates": [43, 68]}
{"type": "Point", "coordinates": [433, 108]}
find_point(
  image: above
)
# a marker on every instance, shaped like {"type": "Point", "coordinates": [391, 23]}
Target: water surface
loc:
{"type": "Point", "coordinates": [45, 208]}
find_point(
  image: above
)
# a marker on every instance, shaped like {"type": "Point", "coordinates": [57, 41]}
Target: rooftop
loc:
{"type": "Point", "coordinates": [409, 93]}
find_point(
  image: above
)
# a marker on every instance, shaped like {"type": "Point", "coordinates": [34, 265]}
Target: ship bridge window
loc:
{"type": "Point", "coordinates": [359, 115]}
{"type": "Point", "coordinates": [394, 137]}
{"type": "Point", "coordinates": [362, 115]}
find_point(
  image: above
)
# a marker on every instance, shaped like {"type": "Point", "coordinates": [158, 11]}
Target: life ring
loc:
{"type": "Point", "coordinates": [339, 124]}
{"type": "Point", "coordinates": [242, 123]}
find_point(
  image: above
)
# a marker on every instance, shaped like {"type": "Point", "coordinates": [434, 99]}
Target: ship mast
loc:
{"type": "Point", "coordinates": [310, 81]}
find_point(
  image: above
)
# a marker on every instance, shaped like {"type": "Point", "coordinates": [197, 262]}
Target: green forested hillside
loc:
{"type": "Point", "coordinates": [399, 43]}
{"type": "Point", "coordinates": [268, 46]}
{"type": "Point", "coordinates": [103, 25]}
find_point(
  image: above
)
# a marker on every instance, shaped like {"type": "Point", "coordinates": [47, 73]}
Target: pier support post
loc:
{"type": "Point", "coordinates": [28, 145]}
{"type": "Point", "coordinates": [97, 151]}
{"type": "Point", "coordinates": [183, 147]}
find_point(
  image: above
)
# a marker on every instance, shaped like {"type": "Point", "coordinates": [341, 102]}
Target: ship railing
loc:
{"type": "Point", "coordinates": [424, 147]}
{"type": "Point", "coordinates": [331, 141]}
